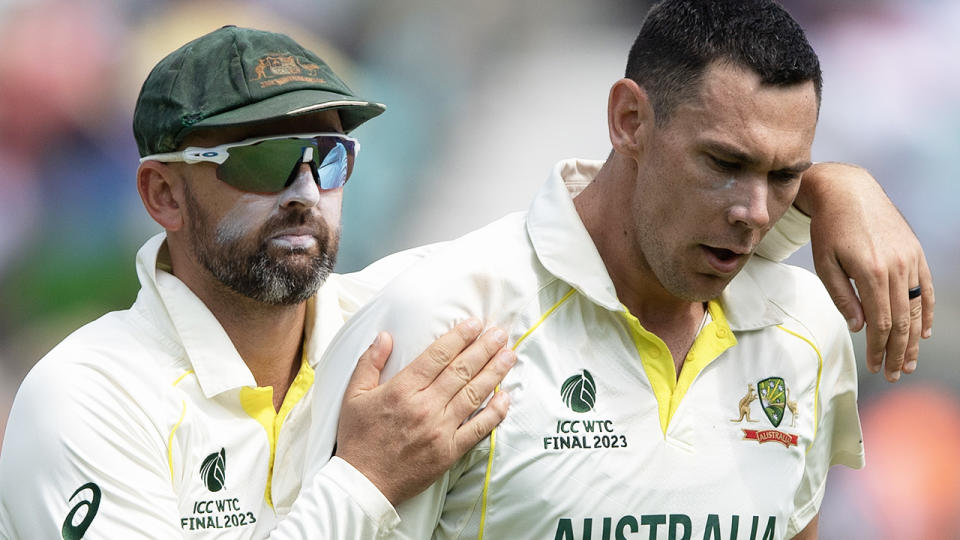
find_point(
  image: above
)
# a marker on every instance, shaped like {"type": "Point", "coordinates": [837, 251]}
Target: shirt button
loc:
{"type": "Point", "coordinates": [655, 353]}
{"type": "Point", "coordinates": [721, 333]}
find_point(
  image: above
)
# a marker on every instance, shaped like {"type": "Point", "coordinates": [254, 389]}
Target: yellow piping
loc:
{"type": "Point", "coordinates": [175, 426]}
{"type": "Point", "coordinates": [493, 434]}
{"type": "Point", "coordinates": [816, 396]}
{"type": "Point", "coordinates": [170, 440]}
{"type": "Point", "coordinates": [180, 378]}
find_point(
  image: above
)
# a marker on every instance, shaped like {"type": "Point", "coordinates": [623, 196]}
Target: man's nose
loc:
{"type": "Point", "coordinates": [304, 189]}
{"type": "Point", "coordinates": [750, 202]}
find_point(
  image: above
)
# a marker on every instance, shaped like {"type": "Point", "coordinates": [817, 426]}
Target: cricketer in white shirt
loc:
{"type": "Point", "coordinates": [603, 440]}
{"type": "Point", "coordinates": [147, 423]}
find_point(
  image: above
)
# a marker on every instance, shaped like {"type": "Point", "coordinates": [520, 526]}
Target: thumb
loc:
{"type": "Point", "coordinates": [844, 296]}
{"type": "Point", "coordinates": [366, 376]}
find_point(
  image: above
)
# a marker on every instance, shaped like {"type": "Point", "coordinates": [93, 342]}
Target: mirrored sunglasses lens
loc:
{"type": "Point", "coordinates": [266, 167]}
{"type": "Point", "coordinates": [332, 172]}
{"type": "Point", "coordinates": [263, 167]}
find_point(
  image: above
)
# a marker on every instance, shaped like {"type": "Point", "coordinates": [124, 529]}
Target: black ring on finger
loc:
{"type": "Point", "coordinates": [913, 292]}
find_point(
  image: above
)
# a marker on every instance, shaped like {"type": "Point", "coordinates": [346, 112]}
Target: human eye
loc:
{"type": "Point", "coordinates": [722, 164]}
{"type": "Point", "coordinates": [784, 177]}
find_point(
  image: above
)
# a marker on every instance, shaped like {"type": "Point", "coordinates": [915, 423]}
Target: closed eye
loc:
{"type": "Point", "coordinates": [784, 176]}
{"type": "Point", "coordinates": [723, 165]}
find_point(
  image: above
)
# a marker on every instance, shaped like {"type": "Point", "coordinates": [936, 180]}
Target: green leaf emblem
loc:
{"type": "Point", "coordinates": [213, 471]}
{"type": "Point", "coordinates": [75, 531]}
{"type": "Point", "coordinates": [579, 392]}
{"type": "Point", "coordinates": [773, 398]}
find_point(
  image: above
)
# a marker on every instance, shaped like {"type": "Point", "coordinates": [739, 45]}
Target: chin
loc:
{"type": "Point", "coordinates": [702, 288]}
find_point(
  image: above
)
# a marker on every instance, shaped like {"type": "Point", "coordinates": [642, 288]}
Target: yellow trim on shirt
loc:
{"type": "Point", "coordinates": [170, 440]}
{"type": "Point", "coordinates": [173, 430]}
{"type": "Point", "coordinates": [258, 404]}
{"type": "Point", "coordinates": [816, 395]}
{"type": "Point", "coordinates": [180, 378]}
{"type": "Point", "coordinates": [493, 434]}
{"type": "Point", "coordinates": [657, 361]}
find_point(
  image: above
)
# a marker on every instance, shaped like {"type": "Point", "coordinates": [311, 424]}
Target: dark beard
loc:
{"type": "Point", "coordinates": [245, 266]}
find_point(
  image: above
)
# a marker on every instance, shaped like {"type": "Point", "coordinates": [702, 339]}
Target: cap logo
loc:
{"type": "Point", "coordinates": [277, 70]}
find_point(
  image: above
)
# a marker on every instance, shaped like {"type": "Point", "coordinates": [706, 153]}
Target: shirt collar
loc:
{"type": "Point", "coordinates": [185, 320]}
{"type": "Point", "coordinates": [567, 251]}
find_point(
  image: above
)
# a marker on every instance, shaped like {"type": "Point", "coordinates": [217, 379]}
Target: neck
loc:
{"type": "Point", "coordinates": [268, 338]}
{"type": "Point", "coordinates": [606, 209]}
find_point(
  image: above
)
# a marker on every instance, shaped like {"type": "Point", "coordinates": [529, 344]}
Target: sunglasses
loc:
{"type": "Point", "coordinates": [270, 164]}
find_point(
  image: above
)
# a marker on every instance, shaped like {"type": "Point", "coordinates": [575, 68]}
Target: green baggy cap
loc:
{"type": "Point", "coordinates": [236, 76]}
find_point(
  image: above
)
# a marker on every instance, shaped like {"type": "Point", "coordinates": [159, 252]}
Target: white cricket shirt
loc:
{"type": "Point", "coordinates": [602, 439]}
{"type": "Point", "coordinates": [147, 424]}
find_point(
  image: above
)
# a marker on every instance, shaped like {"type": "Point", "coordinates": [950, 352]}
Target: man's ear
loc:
{"type": "Point", "coordinates": [629, 117]}
{"type": "Point", "coordinates": [161, 189]}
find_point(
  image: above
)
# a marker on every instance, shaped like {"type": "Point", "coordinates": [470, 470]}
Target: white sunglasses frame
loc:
{"type": "Point", "coordinates": [219, 154]}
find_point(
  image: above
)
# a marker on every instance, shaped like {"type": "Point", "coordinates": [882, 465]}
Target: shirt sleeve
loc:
{"type": "Point", "coordinates": [338, 502]}
{"type": "Point", "coordinates": [838, 439]}
{"type": "Point", "coordinates": [80, 460]}
{"type": "Point", "coordinates": [789, 234]}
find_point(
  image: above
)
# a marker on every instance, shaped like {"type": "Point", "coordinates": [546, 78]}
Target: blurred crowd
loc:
{"type": "Point", "coordinates": [483, 97]}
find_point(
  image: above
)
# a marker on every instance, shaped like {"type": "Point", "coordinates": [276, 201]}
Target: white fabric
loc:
{"type": "Point", "coordinates": [790, 234]}
{"type": "Point", "coordinates": [126, 396]}
{"type": "Point", "coordinates": [103, 407]}
{"type": "Point", "coordinates": [699, 474]}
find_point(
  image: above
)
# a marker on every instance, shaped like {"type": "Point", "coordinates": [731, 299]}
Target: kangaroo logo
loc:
{"type": "Point", "coordinates": [744, 406]}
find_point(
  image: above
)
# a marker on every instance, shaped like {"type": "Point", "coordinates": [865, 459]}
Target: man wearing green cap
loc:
{"type": "Point", "coordinates": [188, 414]}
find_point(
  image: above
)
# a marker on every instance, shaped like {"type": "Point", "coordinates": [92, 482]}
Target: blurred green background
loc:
{"type": "Point", "coordinates": [483, 97]}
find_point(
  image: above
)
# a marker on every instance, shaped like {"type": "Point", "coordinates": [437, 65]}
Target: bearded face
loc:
{"type": "Point", "coordinates": [252, 261]}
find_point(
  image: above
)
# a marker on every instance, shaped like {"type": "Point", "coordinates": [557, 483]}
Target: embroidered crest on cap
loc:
{"type": "Point", "coordinates": [280, 69]}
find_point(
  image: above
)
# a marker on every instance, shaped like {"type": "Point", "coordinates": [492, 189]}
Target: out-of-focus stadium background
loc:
{"type": "Point", "coordinates": [483, 97]}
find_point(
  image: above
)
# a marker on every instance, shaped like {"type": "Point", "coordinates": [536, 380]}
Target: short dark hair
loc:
{"type": "Point", "coordinates": [679, 38]}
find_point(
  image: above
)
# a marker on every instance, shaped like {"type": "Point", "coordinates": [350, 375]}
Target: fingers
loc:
{"type": "Point", "coordinates": [875, 298]}
{"type": "Point", "coordinates": [366, 376]}
{"type": "Point", "coordinates": [474, 431]}
{"type": "Point", "coordinates": [841, 291]}
{"type": "Point", "coordinates": [921, 316]}
{"type": "Point", "coordinates": [458, 374]}
{"type": "Point", "coordinates": [898, 339]}
{"type": "Point", "coordinates": [926, 297]}
{"type": "Point", "coordinates": [472, 394]}
{"type": "Point", "coordinates": [426, 367]}
{"type": "Point", "coordinates": [913, 344]}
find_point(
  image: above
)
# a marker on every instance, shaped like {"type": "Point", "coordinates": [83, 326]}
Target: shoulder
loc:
{"type": "Point", "coordinates": [107, 371]}
{"type": "Point", "coordinates": [808, 313]}
{"type": "Point", "coordinates": [799, 293]}
{"type": "Point", "coordinates": [483, 274]}
{"type": "Point", "coordinates": [477, 272]}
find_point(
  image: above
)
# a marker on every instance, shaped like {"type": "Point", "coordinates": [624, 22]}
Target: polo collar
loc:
{"type": "Point", "coordinates": [184, 320]}
{"type": "Point", "coordinates": [566, 250]}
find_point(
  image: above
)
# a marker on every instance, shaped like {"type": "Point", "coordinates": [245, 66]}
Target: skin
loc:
{"type": "Point", "coordinates": [422, 415]}
{"type": "Point", "coordinates": [717, 175]}
{"type": "Point", "coordinates": [190, 201]}
{"type": "Point", "coordinates": [865, 238]}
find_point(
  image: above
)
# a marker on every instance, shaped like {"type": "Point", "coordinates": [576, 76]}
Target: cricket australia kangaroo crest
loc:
{"type": "Point", "coordinates": [774, 396]}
